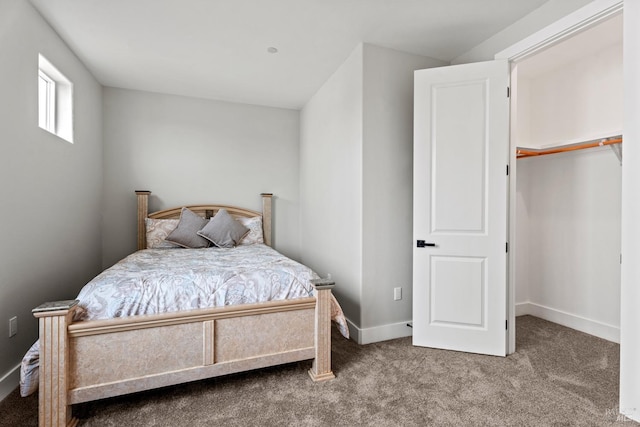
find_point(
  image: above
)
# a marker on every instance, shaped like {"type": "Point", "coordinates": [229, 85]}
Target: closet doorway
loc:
{"type": "Point", "coordinates": [565, 195]}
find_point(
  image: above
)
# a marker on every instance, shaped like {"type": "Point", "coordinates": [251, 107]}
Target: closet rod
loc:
{"type": "Point", "coordinates": [522, 153]}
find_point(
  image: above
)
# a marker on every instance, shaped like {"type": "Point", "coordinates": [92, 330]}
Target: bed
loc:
{"type": "Point", "coordinates": [84, 358]}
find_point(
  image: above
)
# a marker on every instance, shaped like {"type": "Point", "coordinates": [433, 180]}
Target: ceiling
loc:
{"type": "Point", "coordinates": [218, 49]}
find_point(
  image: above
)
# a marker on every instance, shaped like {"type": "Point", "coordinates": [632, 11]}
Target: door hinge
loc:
{"type": "Point", "coordinates": [508, 92]}
{"type": "Point", "coordinates": [506, 324]}
{"type": "Point", "coordinates": [507, 170]}
{"type": "Point", "coordinates": [506, 246]}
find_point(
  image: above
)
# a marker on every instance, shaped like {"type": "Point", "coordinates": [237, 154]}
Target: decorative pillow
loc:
{"type": "Point", "coordinates": [157, 232]}
{"type": "Point", "coordinates": [255, 234]}
{"type": "Point", "coordinates": [223, 230]}
{"type": "Point", "coordinates": [186, 233]}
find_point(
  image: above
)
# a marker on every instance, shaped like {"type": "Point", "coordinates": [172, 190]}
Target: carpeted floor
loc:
{"type": "Point", "coordinates": [557, 377]}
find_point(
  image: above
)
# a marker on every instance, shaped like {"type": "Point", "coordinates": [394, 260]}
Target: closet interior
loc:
{"type": "Point", "coordinates": [567, 104]}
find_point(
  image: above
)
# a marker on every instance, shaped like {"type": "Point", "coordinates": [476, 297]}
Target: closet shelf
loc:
{"type": "Point", "coordinates": [530, 152]}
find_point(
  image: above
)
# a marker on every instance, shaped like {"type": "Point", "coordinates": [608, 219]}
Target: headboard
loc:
{"type": "Point", "coordinates": [206, 211]}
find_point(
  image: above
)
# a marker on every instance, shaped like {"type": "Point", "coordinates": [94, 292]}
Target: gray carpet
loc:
{"type": "Point", "coordinates": [557, 377]}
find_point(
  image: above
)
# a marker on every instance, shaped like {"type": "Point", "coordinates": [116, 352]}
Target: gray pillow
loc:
{"type": "Point", "coordinates": [186, 233]}
{"type": "Point", "coordinates": [223, 230]}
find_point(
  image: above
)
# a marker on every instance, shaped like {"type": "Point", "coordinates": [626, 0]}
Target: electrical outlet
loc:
{"type": "Point", "coordinates": [13, 326]}
{"type": "Point", "coordinates": [397, 294]}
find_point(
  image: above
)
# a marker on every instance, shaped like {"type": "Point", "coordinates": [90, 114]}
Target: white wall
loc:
{"type": "Point", "coordinates": [189, 151]}
{"type": "Point", "coordinates": [51, 190]}
{"type": "Point", "coordinates": [387, 191]}
{"type": "Point", "coordinates": [570, 216]}
{"type": "Point", "coordinates": [630, 314]}
{"type": "Point", "coordinates": [356, 180]}
{"type": "Point", "coordinates": [331, 182]}
{"type": "Point", "coordinates": [523, 231]}
{"type": "Point", "coordinates": [575, 102]}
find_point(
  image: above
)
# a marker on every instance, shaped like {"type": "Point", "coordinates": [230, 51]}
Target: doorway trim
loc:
{"type": "Point", "coordinates": [578, 21]}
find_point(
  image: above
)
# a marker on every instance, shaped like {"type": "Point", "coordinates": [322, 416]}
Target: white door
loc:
{"type": "Point", "coordinates": [461, 153]}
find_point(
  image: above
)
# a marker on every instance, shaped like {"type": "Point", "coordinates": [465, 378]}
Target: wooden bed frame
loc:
{"type": "Point", "coordinates": [90, 360]}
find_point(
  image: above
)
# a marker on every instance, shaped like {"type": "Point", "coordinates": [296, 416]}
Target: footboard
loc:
{"type": "Point", "coordinates": [91, 360]}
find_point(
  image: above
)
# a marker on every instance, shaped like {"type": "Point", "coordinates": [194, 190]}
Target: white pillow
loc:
{"type": "Point", "coordinates": [158, 230]}
{"type": "Point", "coordinates": [255, 235]}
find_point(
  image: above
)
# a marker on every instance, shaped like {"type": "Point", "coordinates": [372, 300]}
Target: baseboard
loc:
{"type": "Point", "coordinates": [582, 324]}
{"type": "Point", "coordinates": [522, 308]}
{"type": "Point", "coordinates": [379, 333]}
{"type": "Point", "coordinates": [9, 382]}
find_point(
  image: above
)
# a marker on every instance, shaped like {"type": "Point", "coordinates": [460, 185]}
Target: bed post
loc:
{"type": "Point", "coordinates": [53, 319]}
{"type": "Point", "coordinates": [143, 211]}
{"type": "Point", "coordinates": [321, 368]}
{"type": "Point", "coordinates": [266, 217]}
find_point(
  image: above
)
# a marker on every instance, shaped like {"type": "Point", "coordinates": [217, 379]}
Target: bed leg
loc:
{"type": "Point", "coordinates": [54, 318]}
{"type": "Point", "coordinates": [321, 368]}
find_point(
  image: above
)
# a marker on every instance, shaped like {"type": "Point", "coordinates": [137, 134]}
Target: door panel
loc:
{"type": "Point", "coordinates": [458, 139]}
{"type": "Point", "coordinates": [458, 291]}
{"type": "Point", "coordinates": [461, 151]}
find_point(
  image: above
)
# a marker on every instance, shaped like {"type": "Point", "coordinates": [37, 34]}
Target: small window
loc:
{"type": "Point", "coordinates": [55, 100]}
{"type": "Point", "coordinates": [46, 102]}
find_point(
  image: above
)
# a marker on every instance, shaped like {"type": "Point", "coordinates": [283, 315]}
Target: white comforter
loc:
{"type": "Point", "coordinates": [165, 280]}
{"type": "Point", "coordinates": [155, 281]}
